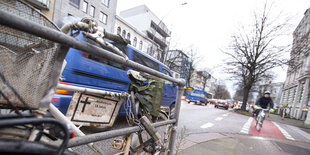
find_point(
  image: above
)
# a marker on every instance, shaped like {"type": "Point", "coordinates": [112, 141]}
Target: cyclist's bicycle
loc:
{"type": "Point", "coordinates": [260, 117]}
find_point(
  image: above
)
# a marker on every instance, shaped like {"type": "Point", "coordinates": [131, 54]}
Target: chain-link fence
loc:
{"type": "Point", "coordinates": [29, 63]}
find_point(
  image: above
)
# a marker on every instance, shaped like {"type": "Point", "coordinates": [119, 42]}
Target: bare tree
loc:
{"type": "Point", "coordinates": [221, 91]}
{"type": "Point", "coordinates": [176, 60]}
{"type": "Point", "coordinates": [194, 59]}
{"type": "Point", "coordinates": [254, 51]}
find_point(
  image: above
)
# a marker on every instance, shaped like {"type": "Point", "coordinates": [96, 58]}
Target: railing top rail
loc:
{"type": "Point", "coordinates": [19, 23]}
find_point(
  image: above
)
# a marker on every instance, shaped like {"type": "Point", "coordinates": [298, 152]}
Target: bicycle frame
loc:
{"type": "Point", "coordinates": [30, 27]}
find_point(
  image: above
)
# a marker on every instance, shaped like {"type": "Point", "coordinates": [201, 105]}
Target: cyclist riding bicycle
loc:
{"type": "Point", "coordinates": [263, 102]}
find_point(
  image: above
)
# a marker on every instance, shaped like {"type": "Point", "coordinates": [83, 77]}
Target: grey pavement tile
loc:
{"type": "Point", "coordinates": [202, 137]}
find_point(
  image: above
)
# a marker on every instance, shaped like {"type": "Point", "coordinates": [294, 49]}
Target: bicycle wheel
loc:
{"type": "Point", "coordinates": [143, 137]}
{"type": "Point", "coordinates": [258, 123]}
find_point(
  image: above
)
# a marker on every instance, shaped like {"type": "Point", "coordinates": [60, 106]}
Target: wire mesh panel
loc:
{"type": "Point", "coordinates": [30, 64]}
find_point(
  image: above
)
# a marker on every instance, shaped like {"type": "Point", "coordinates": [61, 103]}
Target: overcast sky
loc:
{"type": "Point", "coordinates": [207, 25]}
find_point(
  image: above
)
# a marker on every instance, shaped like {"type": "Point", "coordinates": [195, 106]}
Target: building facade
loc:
{"type": "Point", "coordinates": [103, 11]}
{"type": "Point", "coordinates": [178, 61]}
{"type": "Point", "coordinates": [197, 80]}
{"type": "Point", "coordinates": [211, 85]}
{"type": "Point", "coordinates": [46, 7]}
{"type": "Point", "coordinates": [275, 91]}
{"type": "Point", "coordinates": [142, 18]}
{"type": "Point", "coordinates": [296, 92]}
{"type": "Point", "coordinates": [137, 38]}
{"type": "Point", "coordinates": [203, 80]}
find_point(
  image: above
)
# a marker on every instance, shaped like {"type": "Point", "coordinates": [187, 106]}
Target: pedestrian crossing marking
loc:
{"type": "Point", "coordinates": [207, 125]}
{"type": "Point", "coordinates": [219, 118]}
{"type": "Point", "coordinates": [224, 115]}
{"type": "Point", "coordinates": [246, 126]}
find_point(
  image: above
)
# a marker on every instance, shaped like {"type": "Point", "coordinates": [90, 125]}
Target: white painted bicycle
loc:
{"type": "Point", "coordinates": [260, 118]}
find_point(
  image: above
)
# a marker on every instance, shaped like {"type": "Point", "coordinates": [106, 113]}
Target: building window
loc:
{"type": "Point", "coordinates": [103, 18]}
{"type": "Point", "coordinates": [119, 31]}
{"type": "Point", "coordinates": [124, 34]}
{"type": "Point", "coordinates": [75, 3]}
{"type": "Point", "coordinates": [140, 45]}
{"type": "Point", "coordinates": [105, 2]}
{"type": "Point", "coordinates": [128, 36]}
{"type": "Point", "coordinates": [85, 6]}
{"type": "Point", "coordinates": [92, 11]}
{"type": "Point", "coordinates": [134, 42]}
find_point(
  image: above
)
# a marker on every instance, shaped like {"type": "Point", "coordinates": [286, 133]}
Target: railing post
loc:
{"type": "Point", "coordinates": [177, 113]}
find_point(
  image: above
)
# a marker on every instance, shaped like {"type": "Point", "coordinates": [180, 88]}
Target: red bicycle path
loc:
{"type": "Point", "coordinates": [268, 130]}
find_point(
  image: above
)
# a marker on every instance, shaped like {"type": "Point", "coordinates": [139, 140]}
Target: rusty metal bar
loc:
{"type": "Point", "coordinates": [177, 113]}
{"type": "Point", "coordinates": [90, 90]}
{"type": "Point", "coordinates": [30, 27]}
{"type": "Point", "coordinates": [58, 115]}
{"type": "Point", "coordinates": [110, 134]}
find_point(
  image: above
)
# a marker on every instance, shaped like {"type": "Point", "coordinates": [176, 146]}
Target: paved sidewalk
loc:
{"type": "Point", "coordinates": [216, 144]}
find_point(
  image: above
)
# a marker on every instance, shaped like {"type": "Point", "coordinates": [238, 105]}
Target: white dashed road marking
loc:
{"type": "Point", "coordinates": [218, 118]}
{"type": "Point", "coordinates": [246, 127]}
{"type": "Point", "coordinates": [287, 135]}
{"type": "Point", "coordinates": [224, 115]}
{"type": "Point", "coordinates": [207, 125]}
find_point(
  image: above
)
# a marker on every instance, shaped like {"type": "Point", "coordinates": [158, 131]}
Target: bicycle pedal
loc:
{"type": "Point", "coordinates": [118, 144]}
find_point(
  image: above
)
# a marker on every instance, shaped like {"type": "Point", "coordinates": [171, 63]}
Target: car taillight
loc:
{"type": "Point", "coordinates": [64, 92]}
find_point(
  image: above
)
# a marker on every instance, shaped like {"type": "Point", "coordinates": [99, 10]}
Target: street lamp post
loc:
{"type": "Point", "coordinates": [161, 59]}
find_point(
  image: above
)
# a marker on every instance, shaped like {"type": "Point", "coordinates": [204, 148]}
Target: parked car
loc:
{"type": "Point", "coordinates": [212, 101]}
{"type": "Point", "coordinates": [198, 96]}
{"type": "Point", "coordinates": [85, 70]}
{"type": "Point", "coordinates": [221, 104]}
{"type": "Point", "coordinates": [239, 105]}
{"type": "Point", "coordinates": [230, 103]}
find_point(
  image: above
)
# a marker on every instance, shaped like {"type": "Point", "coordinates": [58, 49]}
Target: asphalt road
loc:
{"type": "Point", "coordinates": [207, 119]}
{"type": "Point", "coordinates": [198, 119]}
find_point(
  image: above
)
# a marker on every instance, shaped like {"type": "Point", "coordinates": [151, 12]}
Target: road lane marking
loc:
{"type": "Point", "coordinates": [246, 127]}
{"type": "Point", "coordinates": [287, 135]}
{"type": "Point", "coordinates": [207, 125]}
{"type": "Point", "coordinates": [218, 118]}
{"type": "Point", "coordinates": [224, 115]}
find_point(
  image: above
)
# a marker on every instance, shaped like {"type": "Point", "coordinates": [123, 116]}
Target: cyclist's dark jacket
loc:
{"type": "Point", "coordinates": [263, 102]}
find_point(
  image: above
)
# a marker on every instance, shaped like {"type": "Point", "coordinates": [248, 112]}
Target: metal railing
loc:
{"type": "Point", "coordinates": [21, 24]}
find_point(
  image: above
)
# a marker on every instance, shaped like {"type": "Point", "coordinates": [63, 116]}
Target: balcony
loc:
{"type": "Point", "coordinates": [153, 35]}
{"type": "Point", "coordinates": [161, 28]}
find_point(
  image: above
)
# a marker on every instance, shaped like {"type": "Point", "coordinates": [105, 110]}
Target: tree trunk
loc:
{"type": "Point", "coordinates": [191, 72]}
{"type": "Point", "coordinates": [204, 85]}
{"type": "Point", "coordinates": [246, 91]}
